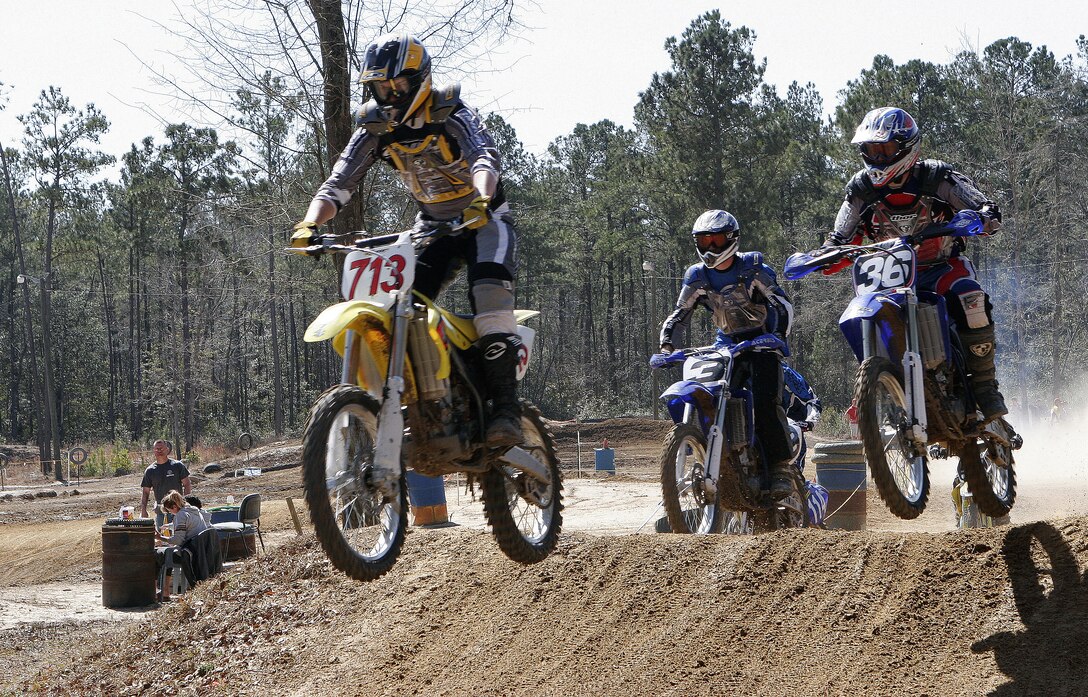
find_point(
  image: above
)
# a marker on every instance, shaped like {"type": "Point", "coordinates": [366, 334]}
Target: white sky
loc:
{"type": "Point", "coordinates": [581, 61]}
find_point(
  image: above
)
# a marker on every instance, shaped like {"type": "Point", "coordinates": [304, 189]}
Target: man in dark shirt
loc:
{"type": "Point", "coordinates": [163, 476]}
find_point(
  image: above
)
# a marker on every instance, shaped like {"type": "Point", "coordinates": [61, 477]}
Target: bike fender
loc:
{"type": "Point", "coordinates": [860, 309]}
{"type": "Point", "coordinates": [334, 319]}
{"type": "Point", "coordinates": [460, 329]}
{"type": "Point", "coordinates": [688, 392]}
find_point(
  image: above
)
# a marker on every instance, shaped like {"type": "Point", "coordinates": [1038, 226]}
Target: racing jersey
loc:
{"type": "Point", "coordinates": [745, 300]}
{"type": "Point", "coordinates": [932, 194]}
{"type": "Point", "coordinates": [436, 153]}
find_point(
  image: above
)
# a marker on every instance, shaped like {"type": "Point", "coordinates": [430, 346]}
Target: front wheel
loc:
{"type": "Point", "coordinates": [526, 514]}
{"type": "Point", "coordinates": [900, 474]}
{"type": "Point", "coordinates": [987, 465]}
{"type": "Point", "coordinates": [361, 529]}
{"type": "Point", "coordinates": [687, 506]}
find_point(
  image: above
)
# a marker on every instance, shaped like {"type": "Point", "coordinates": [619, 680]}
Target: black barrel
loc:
{"type": "Point", "coordinates": [128, 563]}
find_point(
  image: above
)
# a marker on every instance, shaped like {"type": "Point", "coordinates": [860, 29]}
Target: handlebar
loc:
{"type": "Point", "coordinates": [326, 244]}
{"type": "Point", "coordinates": [965, 223]}
{"type": "Point", "coordinates": [764, 342]}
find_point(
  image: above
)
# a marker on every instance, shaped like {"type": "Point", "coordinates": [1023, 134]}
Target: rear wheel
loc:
{"type": "Point", "coordinates": [687, 505]}
{"type": "Point", "coordinates": [361, 529]}
{"type": "Point", "coordinates": [901, 477]}
{"type": "Point", "coordinates": [526, 514]}
{"type": "Point", "coordinates": [987, 465]}
{"type": "Point", "coordinates": [739, 523]}
{"type": "Point", "coordinates": [789, 512]}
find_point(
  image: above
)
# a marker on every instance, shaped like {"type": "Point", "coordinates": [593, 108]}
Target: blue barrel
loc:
{"type": "Point", "coordinates": [604, 459]}
{"type": "Point", "coordinates": [845, 482]}
{"type": "Point", "coordinates": [427, 496]}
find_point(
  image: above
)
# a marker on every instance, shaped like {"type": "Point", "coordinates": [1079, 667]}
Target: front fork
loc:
{"type": "Point", "coordinates": [715, 438]}
{"type": "Point", "coordinates": [914, 391]}
{"type": "Point", "coordinates": [390, 438]}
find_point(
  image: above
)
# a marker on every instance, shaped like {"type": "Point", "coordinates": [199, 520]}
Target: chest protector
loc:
{"type": "Point", "coordinates": [891, 214]}
{"type": "Point", "coordinates": [425, 156]}
{"type": "Point", "coordinates": [734, 310]}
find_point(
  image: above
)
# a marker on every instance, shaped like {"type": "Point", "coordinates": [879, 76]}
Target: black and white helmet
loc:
{"type": "Point", "coordinates": [716, 234]}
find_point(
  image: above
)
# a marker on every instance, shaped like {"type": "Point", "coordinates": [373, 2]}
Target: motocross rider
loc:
{"type": "Point", "coordinates": [743, 295]}
{"type": "Point", "coordinates": [897, 195]}
{"type": "Point", "coordinates": [449, 163]}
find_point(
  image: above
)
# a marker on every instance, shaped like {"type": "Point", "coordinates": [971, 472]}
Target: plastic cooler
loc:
{"type": "Point", "coordinates": [427, 496]}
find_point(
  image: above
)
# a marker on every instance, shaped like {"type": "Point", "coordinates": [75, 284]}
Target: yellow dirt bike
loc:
{"type": "Point", "coordinates": [411, 395]}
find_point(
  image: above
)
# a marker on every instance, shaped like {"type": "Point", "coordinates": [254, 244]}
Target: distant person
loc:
{"type": "Point", "coordinates": [1056, 410]}
{"type": "Point", "coordinates": [189, 522]}
{"type": "Point", "coordinates": [163, 476]}
{"type": "Point", "coordinates": [198, 504]}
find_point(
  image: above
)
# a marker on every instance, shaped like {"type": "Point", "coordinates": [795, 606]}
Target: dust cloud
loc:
{"type": "Point", "coordinates": [1052, 466]}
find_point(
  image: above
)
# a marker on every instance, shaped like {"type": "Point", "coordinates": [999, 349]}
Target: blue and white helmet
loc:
{"type": "Point", "coordinates": [889, 140]}
{"type": "Point", "coordinates": [716, 234]}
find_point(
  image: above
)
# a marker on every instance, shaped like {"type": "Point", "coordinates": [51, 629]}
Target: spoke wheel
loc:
{"type": "Point", "coordinates": [686, 504]}
{"type": "Point", "coordinates": [901, 477]}
{"type": "Point", "coordinates": [739, 523]}
{"type": "Point", "coordinates": [361, 529]}
{"type": "Point", "coordinates": [987, 465]}
{"type": "Point", "coordinates": [526, 514]}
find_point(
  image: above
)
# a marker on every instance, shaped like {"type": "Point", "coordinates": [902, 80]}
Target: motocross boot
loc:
{"type": "Point", "coordinates": [782, 475]}
{"type": "Point", "coordinates": [500, 358]}
{"type": "Point", "coordinates": [979, 345]}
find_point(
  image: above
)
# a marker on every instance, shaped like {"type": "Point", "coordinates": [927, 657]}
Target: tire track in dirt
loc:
{"type": "Point", "coordinates": [995, 611]}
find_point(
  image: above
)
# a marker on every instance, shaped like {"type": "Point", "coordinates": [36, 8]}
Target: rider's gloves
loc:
{"type": "Point", "coordinates": [476, 215]}
{"type": "Point", "coordinates": [658, 359]}
{"type": "Point", "coordinates": [304, 234]}
{"type": "Point", "coordinates": [991, 219]}
{"type": "Point", "coordinates": [805, 425]}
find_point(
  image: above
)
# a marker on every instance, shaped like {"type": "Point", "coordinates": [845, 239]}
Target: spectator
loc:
{"type": "Point", "coordinates": [163, 476]}
{"type": "Point", "coordinates": [197, 504]}
{"type": "Point", "coordinates": [188, 523]}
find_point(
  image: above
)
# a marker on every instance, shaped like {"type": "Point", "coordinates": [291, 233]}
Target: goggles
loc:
{"type": "Point", "coordinates": [387, 90]}
{"type": "Point", "coordinates": [880, 154]}
{"type": "Point", "coordinates": [714, 241]}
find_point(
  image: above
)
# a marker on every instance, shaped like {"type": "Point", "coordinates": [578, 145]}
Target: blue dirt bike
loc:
{"type": "Point", "coordinates": [712, 464]}
{"type": "Point", "coordinates": [912, 390]}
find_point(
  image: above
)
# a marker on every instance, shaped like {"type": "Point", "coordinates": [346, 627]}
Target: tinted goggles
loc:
{"type": "Point", "coordinates": [714, 241]}
{"type": "Point", "coordinates": [880, 154]}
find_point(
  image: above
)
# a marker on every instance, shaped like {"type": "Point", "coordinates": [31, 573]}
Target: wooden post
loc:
{"type": "Point", "coordinates": [294, 515]}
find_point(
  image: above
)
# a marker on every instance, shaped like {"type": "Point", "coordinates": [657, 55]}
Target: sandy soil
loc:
{"type": "Point", "coordinates": [905, 607]}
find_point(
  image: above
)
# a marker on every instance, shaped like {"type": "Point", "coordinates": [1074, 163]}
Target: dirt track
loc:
{"type": "Point", "coordinates": [882, 612]}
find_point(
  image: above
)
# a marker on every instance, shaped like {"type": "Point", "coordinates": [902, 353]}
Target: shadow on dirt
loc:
{"type": "Point", "coordinates": [1051, 596]}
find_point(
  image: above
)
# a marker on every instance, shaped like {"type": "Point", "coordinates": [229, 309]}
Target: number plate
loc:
{"type": "Point", "coordinates": [375, 274]}
{"type": "Point", "coordinates": [884, 270]}
{"type": "Point", "coordinates": [704, 367]}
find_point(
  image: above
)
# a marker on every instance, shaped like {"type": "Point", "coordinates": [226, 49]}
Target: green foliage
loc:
{"type": "Point", "coordinates": [108, 461]}
{"type": "Point", "coordinates": [175, 312]}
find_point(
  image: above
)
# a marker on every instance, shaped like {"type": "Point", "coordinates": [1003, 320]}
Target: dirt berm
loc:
{"type": "Point", "coordinates": [1001, 611]}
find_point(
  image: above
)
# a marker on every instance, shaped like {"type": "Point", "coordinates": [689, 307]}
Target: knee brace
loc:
{"type": "Point", "coordinates": [976, 309]}
{"type": "Point", "coordinates": [493, 300]}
